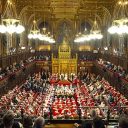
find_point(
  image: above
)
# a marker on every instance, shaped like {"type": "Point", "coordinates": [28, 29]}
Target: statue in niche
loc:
{"type": "Point", "coordinates": [64, 33]}
{"type": "Point", "coordinates": [65, 30]}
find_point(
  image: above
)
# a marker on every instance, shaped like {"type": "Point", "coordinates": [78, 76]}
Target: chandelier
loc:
{"type": "Point", "coordinates": [78, 38]}
{"type": "Point", "coordinates": [34, 32]}
{"type": "Point", "coordinates": [46, 36]}
{"type": "Point", "coordinates": [81, 37]}
{"type": "Point", "coordinates": [9, 22]}
{"type": "Point", "coordinates": [95, 33]}
{"type": "Point", "coordinates": [120, 24]}
{"type": "Point", "coordinates": [42, 36]}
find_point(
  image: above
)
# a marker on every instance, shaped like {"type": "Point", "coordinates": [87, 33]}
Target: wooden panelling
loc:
{"type": "Point", "coordinates": [9, 60]}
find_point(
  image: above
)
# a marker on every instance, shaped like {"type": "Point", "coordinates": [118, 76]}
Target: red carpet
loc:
{"type": "Point", "coordinates": [64, 82]}
{"type": "Point", "coordinates": [60, 82]}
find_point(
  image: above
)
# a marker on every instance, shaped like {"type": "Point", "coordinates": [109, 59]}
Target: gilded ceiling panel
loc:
{"type": "Point", "coordinates": [60, 9]}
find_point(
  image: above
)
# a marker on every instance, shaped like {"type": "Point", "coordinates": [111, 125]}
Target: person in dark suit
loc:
{"type": "Point", "coordinates": [39, 122]}
{"type": "Point", "coordinates": [43, 76]}
{"type": "Point", "coordinates": [98, 123]}
{"type": "Point", "coordinates": [27, 122]}
{"type": "Point", "coordinates": [8, 121]}
{"type": "Point", "coordinates": [123, 121]}
{"type": "Point", "coordinates": [86, 124]}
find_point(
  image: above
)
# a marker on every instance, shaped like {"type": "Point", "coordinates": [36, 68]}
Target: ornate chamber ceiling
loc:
{"type": "Point", "coordinates": [59, 9]}
{"type": "Point", "coordinates": [69, 9]}
{"type": "Point", "coordinates": [74, 11]}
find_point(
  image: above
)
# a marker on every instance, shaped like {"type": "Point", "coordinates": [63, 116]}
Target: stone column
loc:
{"type": "Point", "coordinates": [24, 40]}
{"type": "Point", "coordinates": [1, 45]}
{"type": "Point", "coordinates": [121, 45]}
{"type": "Point", "coordinates": [126, 46]}
{"type": "Point", "coordinates": [9, 43]}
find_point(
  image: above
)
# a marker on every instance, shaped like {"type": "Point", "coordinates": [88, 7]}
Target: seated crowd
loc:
{"type": "Point", "coordinates": [37, 97]}
{"type": "Point", "coordinates": [27, 122]}
{"type": "Point", "coordinates": [116, 69]}
{"type": "Point", "coordinates": [27, 97]}
{"type": "Point", "coordinates": [39, 122]}
{"type": "Point", "coordinates": [87, 58]}
{"type": "Point", "coordinates": [105, 95]}
{"type": "Point", "coordinates": [14, 67]}
{"type": "Point", "coordinates": [43, 57]}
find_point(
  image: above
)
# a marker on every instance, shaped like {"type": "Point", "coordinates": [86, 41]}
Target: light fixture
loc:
{"type": "Point", "coordinates": [105, 48]}
{"type": "Point", "coordinates": [81, 37]}
{"type": "Point", "coordinates": [10, 23]}
{"type": "Point", "coordinates": [115, 51]}
{"type": "Point", "coordinates": [120, 22]}
{"type": "Point", "coordinates": [12, 50]}
{"type": "Point", "coordinates": [34, 32]}
{"type": "Point", "coordinates": [23, 47]}
{"type": "Point", "coordinates": [46, 36]}
{"type": "Point", "coordinates": [95, 33]}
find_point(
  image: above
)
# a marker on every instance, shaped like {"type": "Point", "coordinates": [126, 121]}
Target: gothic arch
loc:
{"type": "Point", "coordinates": [22, 15]}
{"type": "Point", "coordinates": [84, 23]}
{"type": "Point", "coordinates": [40, 20]}
{"type": "Point", "coordinates": [107, 16]}
{"type": "Point", "coordinates": [99, 20]}
{"type": "Point", "coordinates": [117, 10]}
{"type": "Point", "coordinates": [24, 10]}
{"type": "Point", "coordinates": [30, 21]}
